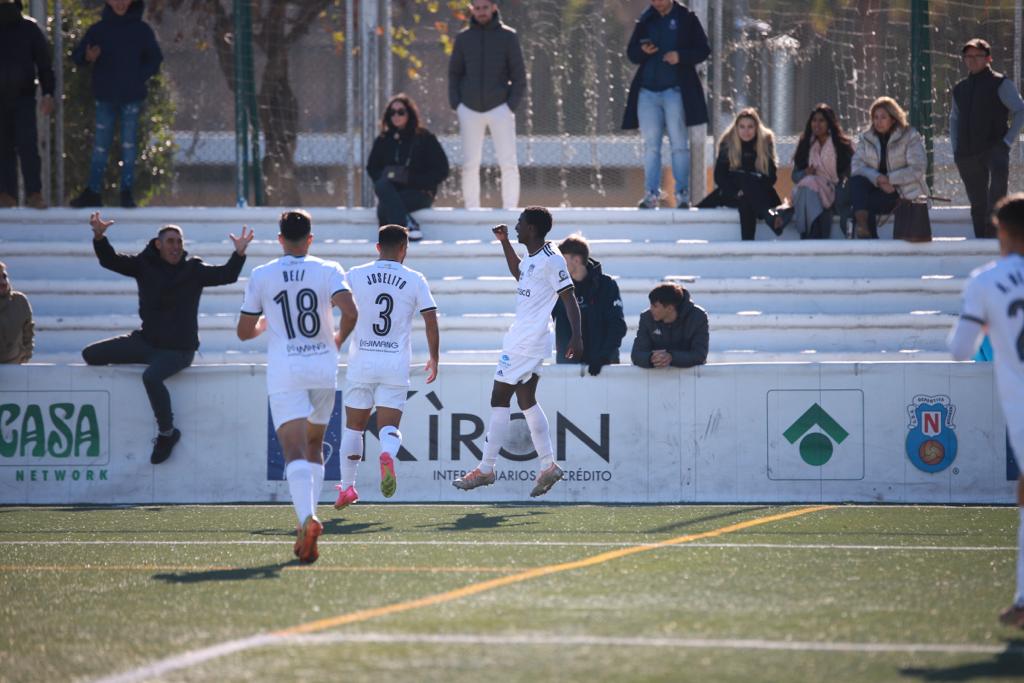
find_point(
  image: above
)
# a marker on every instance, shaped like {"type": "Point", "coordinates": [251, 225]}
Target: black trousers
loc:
{"type": "Point", "coordinates": [394, 204]}
{"type": "Point", "coordinates": [163, 363]}
{"type": "Point", "coordinates": [755, 197]}
{"type": "Point", "coordinates": [19, 140]}
{"type": "Point", "coordinates": [866, 196]}
{"type": "Point", "coordinates": [985, 179]}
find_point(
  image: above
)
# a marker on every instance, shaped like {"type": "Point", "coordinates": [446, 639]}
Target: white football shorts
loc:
{"type": "Point", "coordinates": [515, 369]}
{"type": "Point", "coordinates": [365, 396]}
{"type": "Point", "coordinates": [314, 405]}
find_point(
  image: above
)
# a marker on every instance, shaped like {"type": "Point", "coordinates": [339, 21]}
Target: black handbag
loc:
{"type": "Point", "coordinates": [911, 221]}
{"type": "Point", "coordinates": [397, 174]}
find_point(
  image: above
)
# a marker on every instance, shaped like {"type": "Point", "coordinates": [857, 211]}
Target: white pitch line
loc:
{"type": "Point", "coordinates": [696, 643]}
{"type": "Point", "coordinates": [191, 658]}
{"type": "Point", "coordinates": [580, 544]}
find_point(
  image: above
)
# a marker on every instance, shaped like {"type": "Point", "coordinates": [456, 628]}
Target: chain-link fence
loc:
{"type": "Point", "coordinates": [310, 90]}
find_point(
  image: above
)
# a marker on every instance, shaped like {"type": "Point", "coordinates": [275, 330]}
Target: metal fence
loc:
{"type": "Point", "coordinates": [310, 91]}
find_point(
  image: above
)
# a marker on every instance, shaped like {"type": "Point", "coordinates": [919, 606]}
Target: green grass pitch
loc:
{"type": "Point", "coordinates": [509, 593]}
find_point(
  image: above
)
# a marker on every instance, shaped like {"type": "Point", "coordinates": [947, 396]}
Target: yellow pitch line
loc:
{"type": "Point", "coordinates": [536, 572]}
{"type": "Point", "coordinates": [193, 568]}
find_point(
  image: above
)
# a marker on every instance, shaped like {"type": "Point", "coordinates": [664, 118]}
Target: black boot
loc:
{"type": "Point", "coordinates": [127, 201]}
{"type": "Point", "coordinates": [162, 446]}
{"type": "Point", "coordinates": [86, 198]}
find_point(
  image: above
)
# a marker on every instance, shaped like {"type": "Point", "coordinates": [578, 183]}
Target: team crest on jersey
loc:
{"type": "Point", "coordinates": [562, 275]}
{"type": "Point", "coordinates": [529, 271]}
{"type": "Point", "coordinates": [931, 440]}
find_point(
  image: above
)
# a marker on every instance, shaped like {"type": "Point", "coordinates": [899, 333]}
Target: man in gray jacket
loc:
{"type": "Point", "coordinates": [486, 82]}
{"type": "Point", "coordinates": [673, 332]}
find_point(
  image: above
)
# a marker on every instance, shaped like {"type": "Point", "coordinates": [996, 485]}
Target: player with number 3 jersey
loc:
{"type": "Point", "coordinates": [293, 298]}
{"type": "Point", "coordinates": [994, 302]}
{"type": "Point", "coordinates": [389, 294]}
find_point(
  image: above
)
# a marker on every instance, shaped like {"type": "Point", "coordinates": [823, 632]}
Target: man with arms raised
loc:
{"type": "Point", "coordinates": [994, 302]}
{"type": "Point", "coordinates": [390, 295]}
{"type": "Point", "coordinates": [542, 278]}
{"type": "Point", "coordinates": [294, 297]}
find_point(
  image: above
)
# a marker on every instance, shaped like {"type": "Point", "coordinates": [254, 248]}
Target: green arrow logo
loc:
{"type": "Point", "coordinates": [816, 449]}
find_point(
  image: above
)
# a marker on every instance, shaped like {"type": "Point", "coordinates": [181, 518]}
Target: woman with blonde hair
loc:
{"type": "Point", "coordinates": [745, 172]}
{"type": "Point", "coordinates": [889, 163]}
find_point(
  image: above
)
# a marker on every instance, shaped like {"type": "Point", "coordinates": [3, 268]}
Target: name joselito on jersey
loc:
{"type": "Point", "coordinates": [385, 279]}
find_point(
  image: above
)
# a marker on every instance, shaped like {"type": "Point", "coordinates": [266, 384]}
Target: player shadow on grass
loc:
{"type": "Point", "coordinates": [683, 523]}
{"type": "Point", "coordinates": [269, 571]}
{"type": "Point", "coordinates": [1007, 664]}
{"type": "Point", "coordinates": [482, 520]}
{"type": "Point", "coordinates": [332, 526]}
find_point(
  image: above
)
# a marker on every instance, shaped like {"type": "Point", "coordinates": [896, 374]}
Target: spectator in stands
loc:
{"type": "Point", "coordinates": [673, 332]}
{"type": "Point", "coordinates": [24, 53]}
{"type": "Point", "coordinates": [666, 94]}
{"type": "Point", "coordinates": [486, 82]}
{"type": "Point", "coordinates": [889, 163]}
{"type": "Point", "coordinates": [602, 321]}
{"type": "Point", "coordinates": [745, 172]}
{"type": "Point", "coordinates": [821, 167]}
{"type": "Point", "coordinates": [170, 283]}
{"type": "Point", "coordinates": [406, 164]}
{"type": "Point", "coordinates": [16, 326]}
{"type": "Point", "coordinates": [124, 54]}
{"type": "Point", "coordinates": [979, 134]}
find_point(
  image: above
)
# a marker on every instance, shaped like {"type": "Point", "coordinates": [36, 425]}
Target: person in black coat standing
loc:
{"type": "Point", "coordinates": [24, 53]}
{"type": "Point", "coordinates": [124, 54]}
{"type": "Point", "coordinates": [170, 285]}
{"type": "Point", "coordinates": [673, 332]}
{"type": "Point", "coordinates": [666, 94]}
{"type": "Point", "coordinates": [406, 164]}
{"type": "Point", "coordinates": [601, 313]}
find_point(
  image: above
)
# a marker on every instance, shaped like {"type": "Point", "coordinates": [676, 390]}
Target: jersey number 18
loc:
{"type": "Point", "coordinates": [308, 319]}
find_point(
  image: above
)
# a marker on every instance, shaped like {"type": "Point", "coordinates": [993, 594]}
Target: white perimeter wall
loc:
{"type": "Point", "coordinates": [715, 434]}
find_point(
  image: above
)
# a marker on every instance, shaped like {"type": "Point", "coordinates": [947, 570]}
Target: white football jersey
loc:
{"type": "Point", "coordinates": [294, 294]}
{"type": "Point", "coordinates": [542, 277]}
{"type": "Point", "coordinates": [388, 296]}
{"type": "Point", "coordinates": [994, 296]}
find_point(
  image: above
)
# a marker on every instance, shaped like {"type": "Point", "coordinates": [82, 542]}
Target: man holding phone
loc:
{"type": "Point", "coordinates": [666, 94]}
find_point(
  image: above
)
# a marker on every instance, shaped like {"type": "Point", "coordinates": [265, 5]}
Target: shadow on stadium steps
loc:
{"type": "Point", "coordinates": [269, 571]}
{"type": "Point", "coordinates": [1006, 664]}
{"type": "Point", "coordinates": [682, 524]}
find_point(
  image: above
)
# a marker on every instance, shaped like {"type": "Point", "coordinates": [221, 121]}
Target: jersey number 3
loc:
{"type": "Point", "coordinates": [382, 328]}
{"type": "Point", "coordinates": [308, 319]}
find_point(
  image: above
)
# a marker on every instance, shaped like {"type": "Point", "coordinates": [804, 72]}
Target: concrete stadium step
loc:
{"type": "Point", "coordinates": [742, 334]}
{"type": "Point", "coordinates": [819, 259]}
{"type": "Point", "coordinates": [457, 295]}
{"type": "Point", "coordinates": [213, 223]}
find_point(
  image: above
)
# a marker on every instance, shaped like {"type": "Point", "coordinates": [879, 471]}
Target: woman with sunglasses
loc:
{"type": "Point", "coordinates": [406, 164]}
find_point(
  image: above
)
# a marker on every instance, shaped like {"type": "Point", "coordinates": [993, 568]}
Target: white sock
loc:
{"type": "Point", "coordinates": [497, 434]}
{"type": "Point", "coordinates": [300, 484]}
{"type": "Point", "coordinates": [318, 482]}
{"type": "Point", "coordinates": [1019, 598]}
{"type": "Point", "coordinates": [541, 435]}
{"type": "Point", "coordinates": [390, 440]}
{"type": "Point", "coordinates": [351, 445]}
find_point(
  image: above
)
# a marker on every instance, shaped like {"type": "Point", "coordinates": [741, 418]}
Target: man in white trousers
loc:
{"type": "Point", "coordinates": [486, 82]}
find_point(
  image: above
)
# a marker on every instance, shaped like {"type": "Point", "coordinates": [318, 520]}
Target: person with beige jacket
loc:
{"type": "Point", "coordinates": [889, 163]}
{"type": "Point", "coordinates": [16, 326]}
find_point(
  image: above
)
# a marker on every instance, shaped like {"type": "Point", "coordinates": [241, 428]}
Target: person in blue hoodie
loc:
{"type": "Point", "coordinates": [124, 54]}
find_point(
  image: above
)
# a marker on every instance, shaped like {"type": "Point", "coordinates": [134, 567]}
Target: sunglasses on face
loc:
{"type": "Point", "coordinates": [397, 112]}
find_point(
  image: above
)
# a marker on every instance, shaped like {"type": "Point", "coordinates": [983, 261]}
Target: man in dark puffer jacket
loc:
{"type": "Point", "coordinates": [673, 332]}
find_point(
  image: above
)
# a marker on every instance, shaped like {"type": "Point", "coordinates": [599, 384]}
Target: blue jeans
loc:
{"type": "Point", "coordinates": [106, 117]}
{"type": "Point", "coordinates": [657, 112]}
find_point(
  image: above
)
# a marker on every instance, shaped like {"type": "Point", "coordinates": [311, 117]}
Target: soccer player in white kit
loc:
{"type": "Point", "coordinates": [294, 297]}
{"type": "Point", "coordinates": [542, 277]}
{"type": "Point", "coordinates": [389, 294]}
{"type": "Point", "coordinates": [994, 302]}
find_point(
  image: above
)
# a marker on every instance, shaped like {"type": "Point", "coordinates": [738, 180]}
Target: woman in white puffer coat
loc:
{"type": "Point", "coordinates": [889, 163]}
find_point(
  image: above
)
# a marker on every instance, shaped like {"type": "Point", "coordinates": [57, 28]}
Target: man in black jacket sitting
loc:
{"type": "Point", "coordinates": [170, 284]}
{"type": "Point", "coordinates": [602, 321]}
{"type": "Point", "coordinates": [673, 332]}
